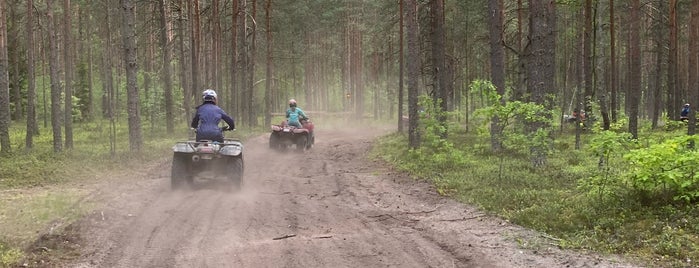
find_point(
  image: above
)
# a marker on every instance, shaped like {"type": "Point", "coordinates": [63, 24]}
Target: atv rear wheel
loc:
{"type": "Point", "coordinates": [235, 172]}
{"type": "Point", "coordinates": [274, 141]}
{"type": "Point", "coordinates": [310, 142]}
{"type": "Point", "coordinates": [301, 143]}
{"type": "Point", "coordinates": [179, 173]}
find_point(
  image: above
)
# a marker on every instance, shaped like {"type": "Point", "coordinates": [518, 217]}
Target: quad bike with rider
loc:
{"type": "Point", "coordinates": [209, 154]}
{"type": "Point", "coordinates": [296, 130]}
{"type": "Point", "coordinates": [207, 159]}
{"type": "Point", "coordinates": [284, 136]}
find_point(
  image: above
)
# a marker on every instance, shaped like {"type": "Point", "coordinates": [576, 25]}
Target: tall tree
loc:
{"type": "Point", "coordinates": [439, 57]}
{"type": "Point", "coordinates": [184, 63]}
{"type": "Point", "coordinates": [541, 64]}
{"type": "Point", "coordinates": [32, 127]}
{"type": "Point", "coordinates": [166, 73]}
{"type": "Point", "coordinates": [4, 83]}
{"type": "Point", "coordinates": [693, 68]}
{"type": "Point", "coordinates": [14, 64]}
{"type": "Point", "coordinates": [232, 98]}
{"type": "Point", "coordinates": [130, 63]}
{"type": "Point", "coordinates": [68, 83]}
{"type": "Point", "coordinates": [217, 47]}
{"type": "Point", "coordinates": [413, 67]}
{"type": "Point", "coordinates": [497, 63]}
{"type": "Point", "coordinates": [672, 91]}
{"type": "Point", "coordinates": [268, 72]}
{"type": "Point", "coordinates": [634, 66]}
{"type": "Point", "coordinates": [195, 45]}
{"type": "Point", "coordinates": [613, 59]}
{"type": "Point", "coordinates": [655, 83]}
{"type": "Point", "coordinates": [243, 52]}
{"type": "Point", "coordinates": [250, 82]}
{"type": "Point", "coordinates": [587, 58]}
{"type": "Point", "coordinates": [55, 79]}
{"type": "Point", "coordinates": [401, 65]}
{"type": "Point", "coordinates": [597, 69]}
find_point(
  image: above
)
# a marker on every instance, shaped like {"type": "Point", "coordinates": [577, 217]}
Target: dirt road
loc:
{"type": "Point", "coordinates": [329, 207]}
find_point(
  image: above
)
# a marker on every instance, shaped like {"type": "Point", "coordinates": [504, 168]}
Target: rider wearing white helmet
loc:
{"type": "Point", "coordinates": [208, 116]}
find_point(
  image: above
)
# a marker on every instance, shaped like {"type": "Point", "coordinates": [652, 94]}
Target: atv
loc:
{"type": "Point", "coordinates": [284, 136]}
{"type": "Point", "coordinates": [207, 159]}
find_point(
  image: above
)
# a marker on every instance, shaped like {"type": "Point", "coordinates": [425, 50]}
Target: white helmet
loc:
{"type": "Point", "coordinates": [209, 95]}
{"type": "Point", "coordinates": [292, 103]}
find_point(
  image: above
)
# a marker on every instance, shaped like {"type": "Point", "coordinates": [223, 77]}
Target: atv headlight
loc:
{"type": "Point", "coordinates": [232, 150]}
{"type": "Point", "coordinates": [182, 148]}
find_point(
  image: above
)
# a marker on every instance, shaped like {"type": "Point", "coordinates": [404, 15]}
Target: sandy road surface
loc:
{"type": "Point", "coordinates": [329, 207]}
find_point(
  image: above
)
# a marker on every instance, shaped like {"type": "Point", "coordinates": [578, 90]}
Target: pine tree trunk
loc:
{"type": "Point", "coordinates": [693, 68]}
{"type": "Point", "coordinates": [497, 64]}
{"type": "Point", "coordinates": [268, 72]}
{"type": "Point", "coordinates": [438, 58]}
{"type": "Point", "coordinates": [657, 69]}
{"type": "Point", "coordinates": [613, 67]}
{"type": "Point", "coordinates": [401, 67]}
{"type": "Point", "coordinates": [634, 67]}
{"type": "Point", "coordinates": [5, 146]}
{"type": "Point", "coordinates": [184, 63]}
{"type": "Point", "coordinates": [541, 65]}
{"type": "Point", "coordinates": [672, 91]}
{"type": "Point", "coordinates": [413, 66]}
{"type": "Point", "coordinates": [14, 64]}
{"type": "Point", "coordinates": [598, 48]}
{"type": "Point", "coordinates": [252, 112]}
{"type": "Point", "coordinates": [166, 74]}
{"type": "Point", "coordinates": [195, 43]}
{"type": "Point", "coordinates": [68, 83]}
{"type": "Point", "coordinates": [32, 127]}
{"type": "Point", "coordinates": [130, 62]}
{"type": "Point", "coordinates": [55, 79]}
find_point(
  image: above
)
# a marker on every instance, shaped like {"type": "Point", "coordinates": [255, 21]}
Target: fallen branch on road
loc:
{"type": "Point", "coordinates": [391, 216]}
{"type": "Point", "coordinates": [284, 237]}
{"type": "Point", "coordinates": [463, 219]}
{"type": "Point", "coordinates": [323, 236]}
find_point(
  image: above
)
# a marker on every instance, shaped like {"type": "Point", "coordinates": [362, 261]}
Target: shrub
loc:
{"type": "Point", "coordinates": [667, 169]}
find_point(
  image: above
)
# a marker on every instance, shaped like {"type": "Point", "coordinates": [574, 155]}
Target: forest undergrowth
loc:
{"type": "Point", "coordinates": [615, 195]}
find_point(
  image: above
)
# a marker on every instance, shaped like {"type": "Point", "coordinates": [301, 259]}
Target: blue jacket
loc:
{"type": "Point", "coordinates": [206, 121]}
{"type": "Point", "coordinates": [685, 112]}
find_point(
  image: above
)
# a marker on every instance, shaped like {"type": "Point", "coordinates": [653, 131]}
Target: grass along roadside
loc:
{"type": "Point", "coordinates": [554, 199]}
{"type": "Point", "coordinates": [43, 192]}
{"type": "Point", "coordinates": [28, 214]}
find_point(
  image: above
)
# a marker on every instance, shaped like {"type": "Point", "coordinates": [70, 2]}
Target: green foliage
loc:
{"type": "Point", "coordinates": [585, 198]}
{"type": "Point", "coordinates": [606, 145]}
{"type": "Point", "coordinates": [668, 169]}
{"type": "Point", "coordinates": [514, 122]}
{"type": "Point", "coordinates": [9, 255]}
{"type": "Point", "coordinates": [435, 152]}
{"type": "Point", "coordinates": [91, 152]}
{"type": "Point", "coordinates": [672, 125]}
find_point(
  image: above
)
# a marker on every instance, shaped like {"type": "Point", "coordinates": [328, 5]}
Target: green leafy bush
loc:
{"type": "Point", "coordinates": [9, 256]}
{"type": "Point", "coordinates": [666, 170]}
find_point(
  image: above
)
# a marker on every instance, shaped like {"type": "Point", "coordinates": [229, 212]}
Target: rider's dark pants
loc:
{"type": "Point", "coordinates": [209, 136]}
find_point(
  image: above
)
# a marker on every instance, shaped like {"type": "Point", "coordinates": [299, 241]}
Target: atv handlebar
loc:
{"type": "Point", "coordinates": [224, 128]}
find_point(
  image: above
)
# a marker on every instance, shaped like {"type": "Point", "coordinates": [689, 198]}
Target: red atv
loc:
{"type": "Point", "coordinates": [284, 136]}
